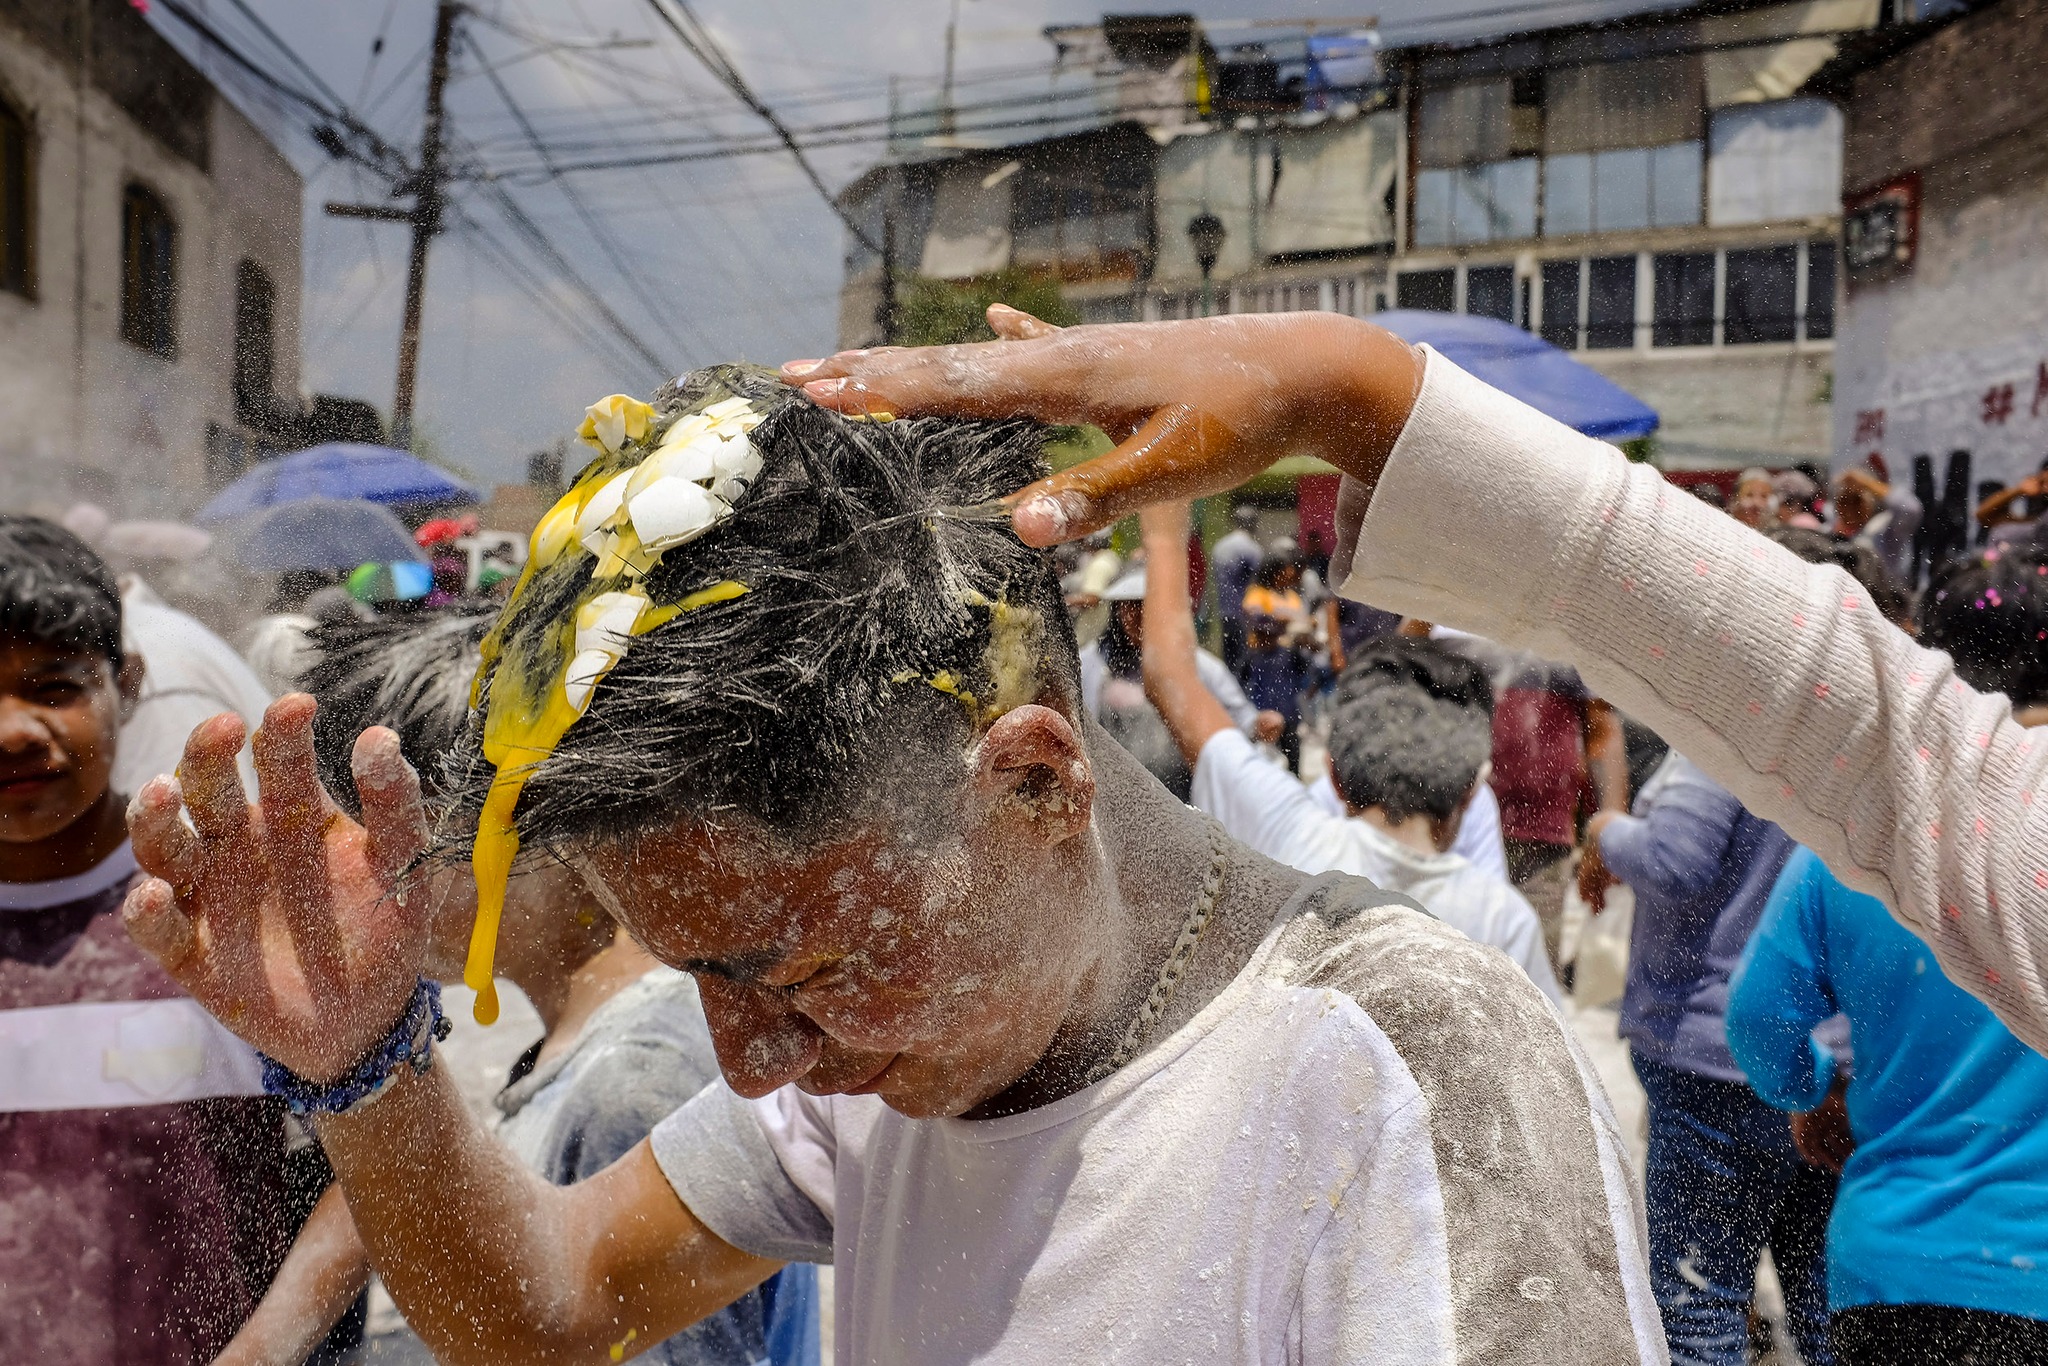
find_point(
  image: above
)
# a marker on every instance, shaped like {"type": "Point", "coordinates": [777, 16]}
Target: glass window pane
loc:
{"type": "Point", "coordinates": [1561, 304]}
{"type": "Point", "coordinates": [1470, 218]}
{"type": "Point", "coordinates": [1567, 195]}
{"type": "Point", "coordinates": [1490, 292]}
{"type": "Point", "coordinates": [1611, 302]}
{"type": "Point", "coordinates": [1435, 290]}
{"type": "Point", "coordinates": [1820, 291]}
{"type": "Point", "coordinates": [1621, 190]}
{"type": "Point", "coordinates": [1675, 185]}
{"type": "Point", "coordinates": [1683, 304]}
{"type": "Point", "coordinates": [1512, 195]}
{"type": "Point", "coordinates": [1762, 296]}
{"type": "Point", "coordinates": [1433, 195]}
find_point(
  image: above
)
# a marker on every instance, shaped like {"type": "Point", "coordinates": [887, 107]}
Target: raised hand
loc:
{"type": "Point", "coordinates": [286, 919]}
{"type": "Point", "coordinates": [1198, 406]}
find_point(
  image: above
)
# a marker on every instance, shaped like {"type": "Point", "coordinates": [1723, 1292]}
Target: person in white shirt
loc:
{"type": "Point", "coordinates": [1046, 1065]}
{"type": "Point", "coordinates": [190, 675]}
{"type": "Point", "coordinates": [1113, 689]}
{"type": "Point", "coordinates": [1464, 506]}
{"type": "Point", "coordinates": [1478, 841]}
{"type": "Point", "coordinates": [1410, 733]}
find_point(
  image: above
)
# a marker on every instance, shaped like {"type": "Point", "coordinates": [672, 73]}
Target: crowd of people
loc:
{"type": "Point", "coordinates": [898, 897]}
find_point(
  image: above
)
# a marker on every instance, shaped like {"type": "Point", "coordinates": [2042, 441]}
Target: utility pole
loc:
{"type": "Point", "coordinates": [947, 123]}
{"type": "Point", "coordinates": [426, 221]}
{"type": "Point", "coordinates": [424, 216]}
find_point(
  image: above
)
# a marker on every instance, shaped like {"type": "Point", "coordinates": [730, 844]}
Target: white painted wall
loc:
{"type": "Point", "coordinates": [87, 414]}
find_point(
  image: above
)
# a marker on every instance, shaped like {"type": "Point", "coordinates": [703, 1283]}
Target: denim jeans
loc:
{"type": "Point", "coordinates": [1723, 1183]}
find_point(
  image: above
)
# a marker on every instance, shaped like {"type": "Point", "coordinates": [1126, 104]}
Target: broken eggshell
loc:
{"type": "Point", "coordinates": [669, 512]}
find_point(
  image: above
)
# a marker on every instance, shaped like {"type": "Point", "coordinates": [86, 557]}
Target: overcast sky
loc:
{"type": "Point", "coordinates": [706, 261]}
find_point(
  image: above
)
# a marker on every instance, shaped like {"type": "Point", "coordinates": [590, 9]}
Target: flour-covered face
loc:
{"type": "Point", "coordinates": [932, 972]}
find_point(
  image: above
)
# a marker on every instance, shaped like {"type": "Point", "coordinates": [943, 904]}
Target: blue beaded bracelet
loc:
{"type": "Point", "coordinates": [409, 1044]}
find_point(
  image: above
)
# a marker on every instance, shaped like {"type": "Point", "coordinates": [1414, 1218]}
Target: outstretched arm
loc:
{"type": "Point", "coordinates": [1467, 507]}
{"type": "Point", "coordinates": [282, 919]}
{"type": "Point", "coordinates": [1173, 681]}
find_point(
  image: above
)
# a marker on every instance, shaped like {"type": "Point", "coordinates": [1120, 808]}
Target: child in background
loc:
{"type": "Point", "coordinates": [143, 1178]}
{"type": "Point", "coordinates": [625, 1042]}
{"type": "Point", "coordinates": [1941, 1136]}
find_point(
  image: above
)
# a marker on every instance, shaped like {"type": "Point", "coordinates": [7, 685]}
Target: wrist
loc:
{"type": "Point", "coordinates": [408, 1046]}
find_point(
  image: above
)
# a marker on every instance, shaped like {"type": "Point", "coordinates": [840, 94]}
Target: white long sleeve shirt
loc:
{"type": "Point", "coordinates": [1776, 677]}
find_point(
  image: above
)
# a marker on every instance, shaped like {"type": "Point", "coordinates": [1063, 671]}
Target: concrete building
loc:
{"type": "Point", "coordinates": [1943, 355]}
{"type": "Point", "coordinates": [1658, 194]}
{"type": "Point", "coordinates": [149, 269]}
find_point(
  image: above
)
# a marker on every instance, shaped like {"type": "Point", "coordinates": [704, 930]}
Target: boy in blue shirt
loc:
{"type": "Point", "coordinates": [1940, 1228]}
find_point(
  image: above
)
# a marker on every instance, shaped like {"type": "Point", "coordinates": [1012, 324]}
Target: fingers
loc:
{"type": "Point", "coordinates": [155, 922]}
{"type": "Point", "coordinates": [1014, 324]}
{"type": "Point", "coordinates": [164, 845]}
{"type": "Point", "coordinates": [1178, 453]}
{"type": "Point", "coordinates": [296, 814]}
{"type": "Point", "coordinates": [210, 782]}
{"type": "Point", "coordinates": [1046, 375]}
{"type": "Point", "coordinates": [394, 816]}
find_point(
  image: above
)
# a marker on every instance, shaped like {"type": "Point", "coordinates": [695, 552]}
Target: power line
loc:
{"type": "Point", "coordinates": [705, 49]}
{"type": "Point", "coordinates": [605, 241]}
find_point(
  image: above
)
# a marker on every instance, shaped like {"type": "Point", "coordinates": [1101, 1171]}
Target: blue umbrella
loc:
{"type": "Point", "coordinates": [1520, 363]}
{"type": "Point", "coordinates": [322, 533]}
{"type": "Point", "coordinates": [340, 469]}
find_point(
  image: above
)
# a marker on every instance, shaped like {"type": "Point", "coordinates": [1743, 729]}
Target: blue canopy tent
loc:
{"type": "Point", "coordinates": [339, 469]}
{"type": "Point", "coordinates": [1523, 364]}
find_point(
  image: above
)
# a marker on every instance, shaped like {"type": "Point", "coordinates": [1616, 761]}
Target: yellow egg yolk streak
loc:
{"type": "Point", "coordinates": [520, 731]}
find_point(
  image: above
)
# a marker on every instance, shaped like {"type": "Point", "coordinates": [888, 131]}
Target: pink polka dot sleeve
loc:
{"type": "Point", "coordinates": [1775, 676]}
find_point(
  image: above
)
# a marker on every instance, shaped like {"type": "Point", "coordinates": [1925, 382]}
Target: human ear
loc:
{"type": "Point", "coordinates": [128, 681]}
{"type": "Point", "coordinates": [1032, 763]}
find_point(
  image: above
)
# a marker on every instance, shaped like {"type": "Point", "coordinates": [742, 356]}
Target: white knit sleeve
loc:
{"type": "Point", "coordinates": [1776, 677]}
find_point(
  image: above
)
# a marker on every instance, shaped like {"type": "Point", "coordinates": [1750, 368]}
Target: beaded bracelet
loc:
{"type": "Point", "coordinates": [409, 1044]}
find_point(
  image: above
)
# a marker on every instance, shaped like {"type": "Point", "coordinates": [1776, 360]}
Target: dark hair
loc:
{"type": "Point", "coordinates": [1281, 557]}
{"type": "Point", "coordinates": [1861, 563]}
{"type": "Point", "coordinates": [888, 610]}
{"type": "Point", "coordinates": [1990, 612]}
{"type": "Point", "coordinates": [409, 673]}
{"type": "Point", "coordinates": [55, 591]}
{"type": "Point", "coordinates": [1413, 726]}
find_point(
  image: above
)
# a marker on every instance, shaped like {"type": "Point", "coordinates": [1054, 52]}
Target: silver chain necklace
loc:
{"type": "Point", "coordinates": [1176, 965]}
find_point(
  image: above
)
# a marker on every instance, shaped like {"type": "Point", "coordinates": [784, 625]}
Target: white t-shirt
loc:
{"type": "Point", "coordinates": [1377, 1145]}
{"type": "Point", "coordinates": [1263, 806]}
{"type": "Point", "coordinates": [191, 675]}
{"type": "Point", "coordinates": [1478, 841]}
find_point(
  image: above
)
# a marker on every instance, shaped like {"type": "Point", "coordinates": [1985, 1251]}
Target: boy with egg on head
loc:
{"type": "Point", "coordinates": [995, 1013]}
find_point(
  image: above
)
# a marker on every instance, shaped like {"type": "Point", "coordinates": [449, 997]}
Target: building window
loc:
{"type": "Point", "coordinates": [1561, 303]}
{"type": "Point", "coordinates": [1770, 162]}
{"type": "Point", "coordinates": [1762, 303]}
{"type": "Point", "coordinates": [1624, 190]}
{"type": "Point", "coordinates": [255, 343]}
{"type": "Point", "coordinates": [1434, 290]}
{"type": "Point", "coordinates": [1611, 302]}
{"type": "Point", "coordinates": [149, 270]}
{"type": "Point", "coordinates": [1820, 291]}
{"type": "Point", "coordinates": [1495, 202]}
{"type": "Point", "coordinates": [1682, 298]}
{"type": "Point", "coordinates": [16, 262]}
{"type": "Point", "coordinates": [1490, 292]}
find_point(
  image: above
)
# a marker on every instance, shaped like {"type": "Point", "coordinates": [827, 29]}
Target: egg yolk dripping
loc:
{"type": "Point", "coordinates": [530, 701]}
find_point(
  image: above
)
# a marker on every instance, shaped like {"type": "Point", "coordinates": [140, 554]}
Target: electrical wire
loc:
{"type": "Point", "coordinates": [706, 50]}
{"type": "Point", "coordinates": [664, 315]}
